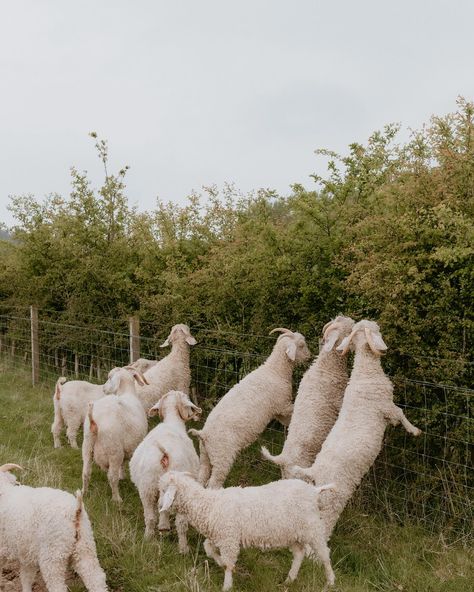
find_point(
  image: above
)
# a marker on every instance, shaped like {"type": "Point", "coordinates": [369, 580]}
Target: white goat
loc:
{"type": "Point", "coordinates": [317, 402]}
{"type": "Point", "coordinates": [44, 528]}
{"type": "Point", "coordinates": [113, 428]}
{"type": "Point", "coordinates": [356, 439]}
{"type": "Point", "coordinates": [70, 407]}
{"type": "Point", "coordinates": [171, 372]}
{"type": "Point", "coordinates": [166, 447]}
{"type": "Point", "coordinates": [244, 412]}
{"type": "Point", "coordinates": [70, 403]}
{"type": "Point", "coordinates": [279, 514]}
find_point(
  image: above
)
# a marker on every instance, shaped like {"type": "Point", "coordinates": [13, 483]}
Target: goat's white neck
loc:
{"type": "Point", "coordinates": [180, 349]}
{"type": "Point", "coordinates": [331, 361]}
{"type": "Point", "coordinates": [126, 387]}
{"type": "Point", "coordinates": [279, 362]}
{"type": "Point", "coordinates": [172, 416]}
{"type": "Point", "coordinates": [365, 360]}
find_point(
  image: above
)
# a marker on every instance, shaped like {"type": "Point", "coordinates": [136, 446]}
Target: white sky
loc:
{"type": "Point", "coordinates": [196, 92]}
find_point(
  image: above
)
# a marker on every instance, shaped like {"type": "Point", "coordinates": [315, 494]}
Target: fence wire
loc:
{"type": "Point", "coordinates": [429, 479]}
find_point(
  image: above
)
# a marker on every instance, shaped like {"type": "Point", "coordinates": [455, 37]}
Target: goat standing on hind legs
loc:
{"type": "Point", "coordinates": [356, 439]}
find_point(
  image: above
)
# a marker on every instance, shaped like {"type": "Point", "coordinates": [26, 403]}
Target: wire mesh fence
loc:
{"type": "Point", "coordinates": [429, 479]}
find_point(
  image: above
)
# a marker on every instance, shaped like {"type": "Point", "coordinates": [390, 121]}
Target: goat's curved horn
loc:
{"type": "Point", "coordinates": [349, 339]}
{"type": "Point", "coordinates": [282, 330]}
{"type": "Point", "coordinates": [370, 341]}
{"type": "Point", "coordinates": [9, 467]}
{"type": "Point", "coordinates": [330, 327]}
{"type": "Point", "coordinates": [326, 326]}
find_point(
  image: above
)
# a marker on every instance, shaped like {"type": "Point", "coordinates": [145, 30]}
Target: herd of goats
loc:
{"type": "Point", "coordinates": [335, 432]}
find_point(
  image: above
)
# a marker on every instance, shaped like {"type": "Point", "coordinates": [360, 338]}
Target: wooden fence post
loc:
{"type": "Point", "coordinates": [134, 326]}
{"type": "Point", "coordinates": [34, 345]}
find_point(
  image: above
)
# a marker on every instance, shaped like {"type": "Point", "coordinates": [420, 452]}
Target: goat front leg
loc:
{"type": "Point", "coordinates": [397, 416]}
{"type": "Point", "coordinates": [182, 529]}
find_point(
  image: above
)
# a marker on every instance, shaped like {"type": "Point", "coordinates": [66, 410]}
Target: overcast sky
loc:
{"type": "Point", "coordinates": [197, 92]}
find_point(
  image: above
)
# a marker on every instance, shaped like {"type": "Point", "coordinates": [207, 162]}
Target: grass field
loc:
{"type": "Point", "coordinates": [368, 552]}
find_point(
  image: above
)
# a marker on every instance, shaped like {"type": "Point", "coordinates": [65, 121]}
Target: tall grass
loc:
{"type": "Point", "coordinates": [369, 553]}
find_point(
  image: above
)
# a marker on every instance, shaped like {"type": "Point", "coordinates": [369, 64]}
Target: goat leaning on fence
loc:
{"type": "Point", "coordinates": [245, 411]}
{"type": "Point", "coordinates": [356, 439]}
{"type": "Point", "coordinates": [171, 373]}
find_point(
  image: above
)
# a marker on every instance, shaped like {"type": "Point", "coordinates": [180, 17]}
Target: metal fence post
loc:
{"type": "Point", "coordinates": [34, 345]}
{"type": "Point", "coordinates": [134, 326]}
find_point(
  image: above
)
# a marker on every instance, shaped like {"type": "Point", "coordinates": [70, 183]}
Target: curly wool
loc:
{"type": "Point", "coordinates": [44, 528]}
{"type": "Point", "coordinates": [171, 373]}
{"type": "Point", "coordinates": [356, 439]}
{"type": "Point", "coordinates": [279, 514]}
{"type": "Point", "coordinates": [317, 402]}
{"type": "Point", "coordinates": [166, 447]}
{"type": "Point", "coordinates": [244, 412]}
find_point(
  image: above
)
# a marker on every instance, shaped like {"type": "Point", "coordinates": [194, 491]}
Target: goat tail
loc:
{"type": "Point", "coordinates": [165, 458]}
{"type": "Point", "coordinates": [92, 424]}
{"type": "Point", "coordinates": [57, 389]}
{"type": "Point", "coordinates": [278, 459]}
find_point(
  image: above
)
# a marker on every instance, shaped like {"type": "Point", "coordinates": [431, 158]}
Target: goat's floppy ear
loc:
{"type": "Point", "coordinates": [156, 409]}
{"type": "Point", "coordinates": [114, 381]}
{"type": "Point", "coordinates": [375, 341]}
{"type": "Point", "coordinates": [291, 351]}
{"type": "Point", "coordinates": [188, 410]}
{"type": "Point", "coordinates": [343, 347]}
{"type": "Point", "coordinates": [169, 339]}
{"type": "Point", "coordinates": [190, 340]}
{"type": "Point", "coordinates": [138, 376]}
{"type": "Point", "coordinates": [168, 498]}
{"type": "Point", "coordinates": [330, 341]}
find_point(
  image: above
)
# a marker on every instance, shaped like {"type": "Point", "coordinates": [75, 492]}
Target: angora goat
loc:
{"type": "Point", "coordinates": [171, 373]}
{"type": "Point", "coordinates": [245, 411]}
{"type": "Point", "coordinates": [45, 529]}
{"type": "Point", "coordinates": [318, 401]}
{"type": "Point", "coordinates": [166, 447]}
{"type": "Point", "coordinates": [280, 514]}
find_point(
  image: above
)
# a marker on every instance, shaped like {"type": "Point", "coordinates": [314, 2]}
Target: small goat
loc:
{"type": "Point", "coordinates": [166, 447]}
